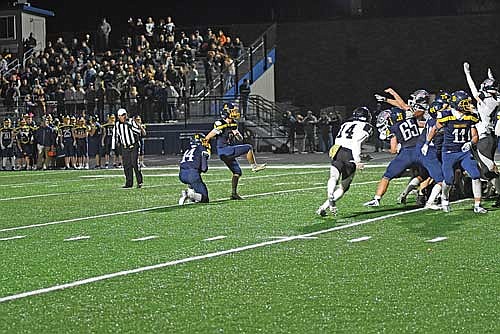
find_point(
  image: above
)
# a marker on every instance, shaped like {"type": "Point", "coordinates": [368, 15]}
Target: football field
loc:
{"type": "Point", "coordinates": [79, 254]}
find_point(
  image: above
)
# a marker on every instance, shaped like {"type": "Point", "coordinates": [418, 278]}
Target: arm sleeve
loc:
{"type": "Point", "coordinates": [472, 85]}
{"type": "Point", "coordinates": [356, 147]}
{"type": "Point", "coordinates": [204, 161]}
{"type": "Point", "coordinates": [113, 139]}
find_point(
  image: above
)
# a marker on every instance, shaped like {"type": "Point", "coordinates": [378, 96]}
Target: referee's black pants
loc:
{"type": "Point", "coordinates": [131, 164]}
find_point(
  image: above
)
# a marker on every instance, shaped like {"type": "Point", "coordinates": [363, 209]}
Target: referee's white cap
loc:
{"type": "Point", "coordinates": [121, 111]}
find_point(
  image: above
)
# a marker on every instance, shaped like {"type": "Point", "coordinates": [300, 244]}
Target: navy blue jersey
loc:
{"type": "Point", "coordinates": [406, 132]}
{"type": "Point", "coordinates": [24, 135]}
{"type": "Point", "coordinates": [437, 141]}
{"type": "Point", "coordinates": [457, 129]}
{"type": "Point", "coordinates": [196, 158]}
{"type": "Point", "coordinates": [7, 136]}
{"type": "Point", "coordinates": [225, 132]}
{"type": "Point", "coordinates": [66, 133]}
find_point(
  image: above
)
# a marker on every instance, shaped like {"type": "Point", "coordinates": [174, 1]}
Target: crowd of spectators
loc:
{"type": "Point", "coordinates": [150, 74]}
{"type": "Point", "coordinates": [310, 134]}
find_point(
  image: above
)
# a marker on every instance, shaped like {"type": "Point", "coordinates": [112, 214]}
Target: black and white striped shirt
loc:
{"type": "Point", "coordinates": [125, 133]}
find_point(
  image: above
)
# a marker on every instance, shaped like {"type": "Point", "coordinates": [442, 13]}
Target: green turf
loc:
{"type": "Point", "coordinates": [393, 283]}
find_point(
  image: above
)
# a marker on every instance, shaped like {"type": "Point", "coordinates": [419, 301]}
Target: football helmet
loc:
{"type": "Point", "coordinates": [440, 103]}
{"type": "Point", "coordinates": [419, 100]}
{"type": "Point", "coordinates": [383, 124]}
{"type": "Point", "coordinates": [461, 101]}
{"type": "Point", "coordinates": [229, 110]}
{"type": "Point", "coordinates": [396, 115]}
{"type": "Point", "coordinates": [490, 85]}
{"type": "Point", "coordinates": [362, 114]}
{"type": "Point", "coordinates": [199, 139]}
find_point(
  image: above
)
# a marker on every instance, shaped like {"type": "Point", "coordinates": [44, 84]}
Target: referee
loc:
{"type": "Point", "coordinates": [126, 132]}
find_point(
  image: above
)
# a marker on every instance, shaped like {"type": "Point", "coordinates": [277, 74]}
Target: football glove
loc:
{"type": "Point", "coordinates": [424, 149]}
{"type": "Point", "coordinates": [467, 146]}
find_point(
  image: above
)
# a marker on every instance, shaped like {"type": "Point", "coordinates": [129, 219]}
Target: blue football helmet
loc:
{"type": "Point", "coordinates": [461, 101]}
{"type": "Point", "coordinates": [229, 110]}
{"type": "Point", "coordinates": [440, 103]}
{"type": "Point", "coordinates": [396, 115]}
{"type": "Point", "coordinates": [362, 114]}
{"type": "Point", "coordinates": [199, 139]}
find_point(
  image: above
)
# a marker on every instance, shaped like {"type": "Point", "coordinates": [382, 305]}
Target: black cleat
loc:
{"type": "Point", "coordinates": [236, 197]}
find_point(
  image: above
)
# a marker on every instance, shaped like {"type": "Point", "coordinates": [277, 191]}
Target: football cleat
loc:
{"type": "Point", "coordinates": [478, 209]}
{"type": "Point", "coordinates": [374, 202]}
{"type": "Point", "coordinates": [402, 199]}
{"type": "Point", "coordinates": [258, 167]}
{"type": "Point", "coordinates": [420, 200]}
{"type": "Point", "coordinates": [236, 197]}
{"type": "Point", "coordinates": [432, 206]}
{"type": "Point", "coordinates": [446, 208]}
{"type": "Point", "coordinates": [321, 212]}
{"type": "Point", "coordinates": [333, 210]}
{"type": "Point", "coordinates": [184, 197]}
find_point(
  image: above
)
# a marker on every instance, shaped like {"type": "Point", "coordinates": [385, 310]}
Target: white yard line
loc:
{"type": "Point", "coordinates": [119, 213]}
{"type": "Point", "coordinates": [32, 196]}
{"type": "Point", "coordinates": [145, 238]}
{"type": "Point", "coordinates": [215, 238]}
{"type": "Point", "coordinates": [360, 239]}
{"type": "Point", "coordinates": [199, 257]}
{"type": "Point", "coordinates": [299, 237]}
{"type": "Point", "coordinates": [13, 238]}
{"type": "Point", "coordinates": [80, 237]}
{"type": "Point", "coordinates": [438, 239]}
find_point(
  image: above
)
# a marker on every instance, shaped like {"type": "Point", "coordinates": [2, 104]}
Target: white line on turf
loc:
{"type": "Point", "coordinates": [80, 237]}
{"type": "Point", "coordinates": [438, 239]}
{"type": "Point", "coordinates": [111, 214]}
{"type": "Point", "coordinates": [13, 238]}
{"type": "Point", "coordinates": [360, 239]}
{"type": "Point", "coordinates": [215, 238]}
{"type": "Point", "coordinates": [32, 196]}
{"type": "Point", "coordinates": [146, 238]}
{"type": "Point", "coordinates": [200, 257]}
{"type": "Point", "coordinates": [283, 237]}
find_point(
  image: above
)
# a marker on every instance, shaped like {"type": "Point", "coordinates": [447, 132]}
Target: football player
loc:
{"type": "Point", "coordinates": [80, 135]}
{"type": "Point", "coordinates": [193, 163]}
{"type": "Point", "coordinates": [405, 132]}
{"type": "Point", "coordinates": [107, 136]}
{"type": "Point", "coordinates": [25, 140]}
{"type": "Point", "coordinates": [66, 141]}
{"type": "Point", "coordinates": [430, 147]}
{"type": "Point", "coordinates": [488, 100]}
{"type": "Point", "coordinates": [94, 140]}
{"type": "Point", "coordinates": [460, 134]}
{"type": "Point", "coordinates": [228, 148]}
{"type": "Point", "coordinates": [345, 157]}
{"type": "Point", "coordinates": [7, 144]}
{"type": "Point", "coordinates": [138, 120]}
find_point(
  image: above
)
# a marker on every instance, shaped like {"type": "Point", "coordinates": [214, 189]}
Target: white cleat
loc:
{"type": "Point", "coordinates": [432, 206]}
{"type": "Point", "coordinates": [184, 197]}
{"type": "Point", "coordinates": [446, 208]}
{"type": "Point", "coordinates": [258, 167]}
{"type": "Point", "coordinates": [401, 199]}
{"type": "Point", "coordinates": [478, 209]}
{"type": "Point", "coordinates": [374, 202]}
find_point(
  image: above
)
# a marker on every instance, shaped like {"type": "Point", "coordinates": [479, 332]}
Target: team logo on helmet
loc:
{"type": "Point", "coordinates": [461, 101]}
{"type": "Point", "coordinates": [199, 139]}
{"type": "Point", "coordinates": [439, 104]}
{"type": "Point", "coordinates": [229, 110]}
{"type": "Point", "coordinates": [419, 100]}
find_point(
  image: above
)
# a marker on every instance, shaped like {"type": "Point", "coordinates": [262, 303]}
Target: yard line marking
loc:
{"type": "Point", "coordinates": [32, 196]}
{"type": "Point", "coordinates": [119, 213]}
{"type": "Point", "coordinates": [145, 238]}
{"type": "Point", "coordinates": [283, 237]}
{"type": "Point", "coordinates": [200, 257]}
{"type": "Point", "coordinates": [438, 239]}
{"type": "Point", "coordinates": [81, 237]}
{"type": "Point", "coordinates": [12, 238]}
{"type": "Point", "coordinates": [360, 239]}
{"type": "Point", "coordinates": [215, 238]}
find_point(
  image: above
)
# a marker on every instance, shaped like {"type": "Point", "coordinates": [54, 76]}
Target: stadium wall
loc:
{"type": "Point", "coordinates": [344, 62]}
